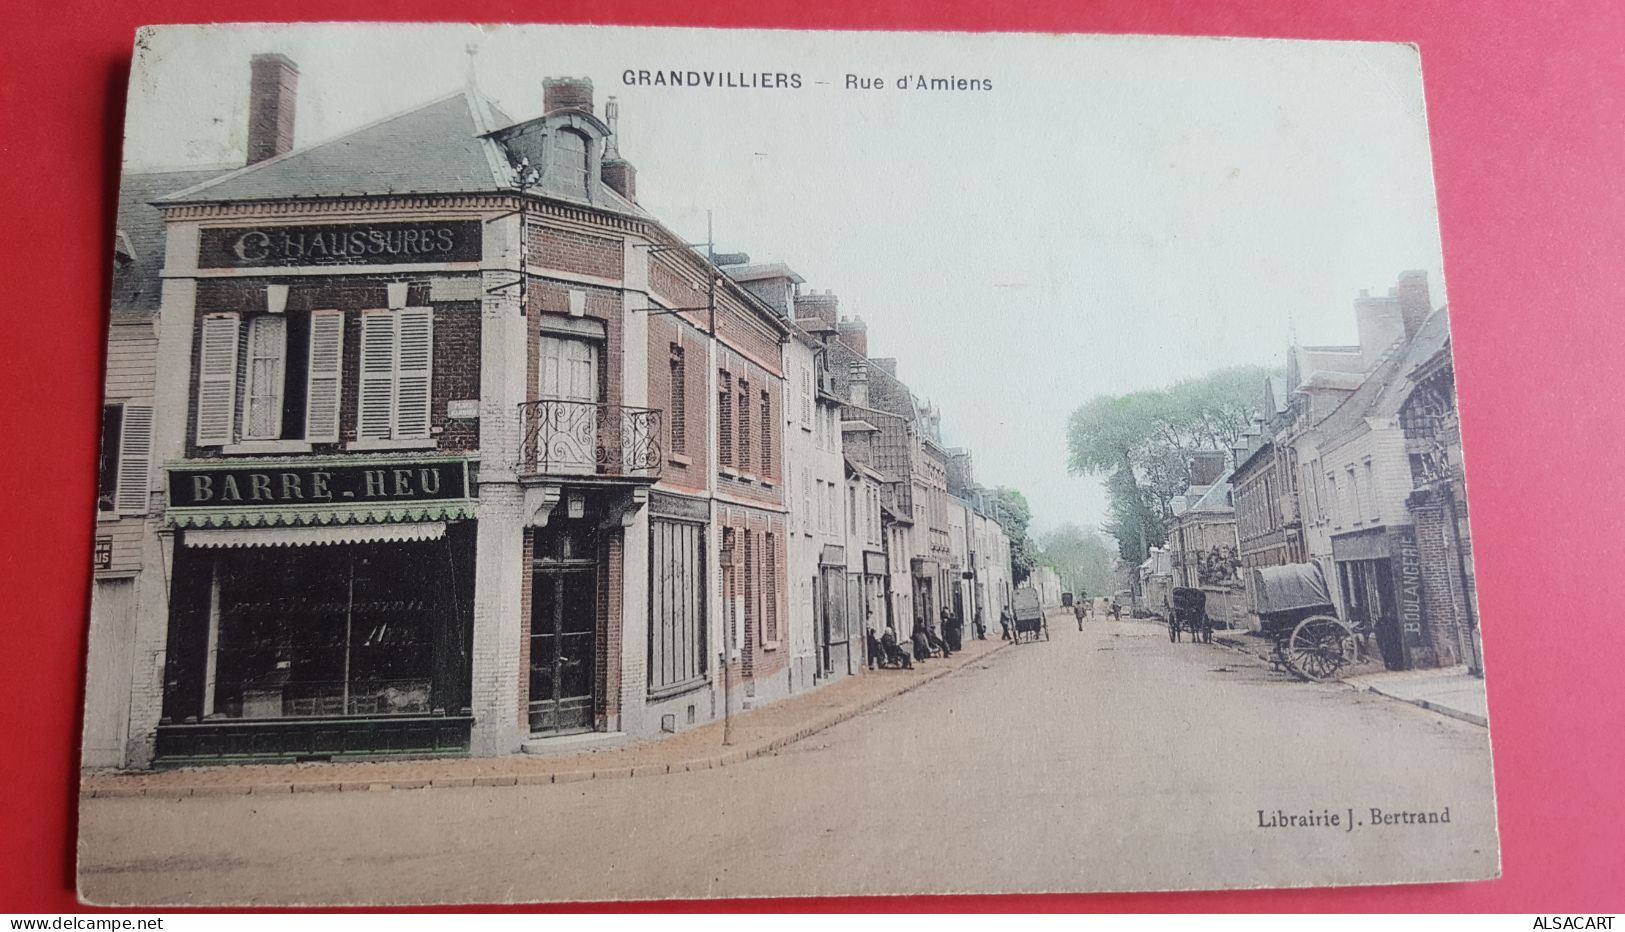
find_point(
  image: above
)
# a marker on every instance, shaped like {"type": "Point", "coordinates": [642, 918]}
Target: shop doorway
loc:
{"type": "Point", "coordinates": [563, 650]}
{"type": "Point", "coordinates": [564, 633]}
{"type": "Point", "coordinates": [1368, 586]}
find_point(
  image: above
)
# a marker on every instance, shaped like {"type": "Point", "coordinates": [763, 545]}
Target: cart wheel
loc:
{"type": "Point", "coordinates": [1319, 647]}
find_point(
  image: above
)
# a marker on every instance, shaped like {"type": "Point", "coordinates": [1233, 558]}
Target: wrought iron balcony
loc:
{"type": "Point", "coordinates": [584, 438]}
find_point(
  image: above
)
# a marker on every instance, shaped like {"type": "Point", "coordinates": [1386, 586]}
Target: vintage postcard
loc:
{"type": "Point", "coordinates": [578, 463]}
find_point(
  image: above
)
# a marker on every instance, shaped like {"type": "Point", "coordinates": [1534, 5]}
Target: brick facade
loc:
{"type": "Point", "coordinates": [572, 251]}
{"type": "Point", "coordinates": [456, 352]}
{"type": "Point", "coordinates": [674, 338]}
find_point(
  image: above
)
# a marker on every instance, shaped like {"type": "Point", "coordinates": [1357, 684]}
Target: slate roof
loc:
{"type": "Point", "coordinates": [141, 229]}
{"type": "Point", "coordinates": [1387, 387]}
{"type": "Point", "coordinates": [435, 148]}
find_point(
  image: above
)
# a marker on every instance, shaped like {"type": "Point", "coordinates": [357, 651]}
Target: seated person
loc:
{"type": "Point", "coordinates": [892, 653]}
{"type": "Point", "coordinates": [922, 642]}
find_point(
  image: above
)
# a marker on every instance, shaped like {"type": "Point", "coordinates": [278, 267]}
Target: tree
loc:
{"type": "Point", "coordinates": [1081, 557]}
{"type": "Point", "coordinates": [1010, 509]}
{"type": "Point", "coordinates": [1142, 442]}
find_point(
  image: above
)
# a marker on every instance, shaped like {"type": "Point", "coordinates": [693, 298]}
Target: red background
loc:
{"type": "Point", "coordinates": [1526, 103]}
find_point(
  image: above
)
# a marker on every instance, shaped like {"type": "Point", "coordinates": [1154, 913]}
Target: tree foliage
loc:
{"type": "Point", "coordinates": [1142, 443]}
{"type": "Point", "coordinates": [1081, 557]}
{"type": "Point", "coordinates": [1010, 509]}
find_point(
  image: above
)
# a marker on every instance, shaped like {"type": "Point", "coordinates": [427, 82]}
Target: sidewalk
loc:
{"type": "Point", "coordinates": [754, 734]}
{"type": "Point", "coordinates": [1448, 691]}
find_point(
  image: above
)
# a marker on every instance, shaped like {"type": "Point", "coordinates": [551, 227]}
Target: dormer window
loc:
{"type": "Point", "coordinates": [569, 167]}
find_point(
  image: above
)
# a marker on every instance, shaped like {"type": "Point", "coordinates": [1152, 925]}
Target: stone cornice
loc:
{"type": "Point", "coordinates": [337, 207]}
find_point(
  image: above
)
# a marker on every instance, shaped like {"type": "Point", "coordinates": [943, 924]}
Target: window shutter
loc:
{"type": "Point", "coordinates": [262, 395]}
{"type": "Point", "coordinates": [806, 397]}
{"type": "Point", "coordinates": [770, 590]}
{"type": "Point", "coordinates": [414, 371]}
{"type": "Point", "coordinates": [377, 413]}
{"type": "Point", "coordinates": [134, 459]}
{"type": "Point", "coordinates": [326, 376]}
{"type": "Point", "coordinates": [217, 381]}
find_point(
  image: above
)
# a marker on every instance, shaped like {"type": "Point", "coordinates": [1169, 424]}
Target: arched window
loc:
{"type": "Point", "coordinates": [568, 166]}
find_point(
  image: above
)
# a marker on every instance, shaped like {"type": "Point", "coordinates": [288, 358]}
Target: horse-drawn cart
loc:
{"type": "Point", "coordinates": [1029, 612]}
{"type": "Point", "coordinates": [1187, 611]}
{"type": "Point", "coordinates": [1296, 611]}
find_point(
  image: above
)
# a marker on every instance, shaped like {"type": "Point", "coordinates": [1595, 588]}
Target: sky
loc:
{"type": "Point", "coordinates": [1114, 214]}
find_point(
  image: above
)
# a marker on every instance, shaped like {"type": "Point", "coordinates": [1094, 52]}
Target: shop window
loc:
{"type": "Point", "coordinates": [677, 644]}
{"type": "Point", "coordinates": [569, 165]}
{"type": "Point", "coordinates": [313, 632]}
{"type": "Point", "coordinates": [126, 459]}
{"type": "Point", "coordinates": [397, 356]}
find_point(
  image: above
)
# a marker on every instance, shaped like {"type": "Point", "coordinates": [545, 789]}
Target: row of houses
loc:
{"type": "Point", "coordinates": [429, 439]}
{"type": "Point", "coordinates": [1355, 467]}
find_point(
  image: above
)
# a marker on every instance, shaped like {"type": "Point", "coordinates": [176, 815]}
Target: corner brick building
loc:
{"type": "Point", "coordinates": [429, 439]}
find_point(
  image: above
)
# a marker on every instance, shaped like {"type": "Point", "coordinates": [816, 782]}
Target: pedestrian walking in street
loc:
{"type": "Point", "coordinates": [1077, 612]}
{"type": "Point", "coordinates": [1005, 620]}
{"type": "Point", "coordinates": [1117, 611]}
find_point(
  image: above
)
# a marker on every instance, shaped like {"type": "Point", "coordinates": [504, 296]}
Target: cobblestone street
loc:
{"type": "Point", "coordinates": [1107, 759]}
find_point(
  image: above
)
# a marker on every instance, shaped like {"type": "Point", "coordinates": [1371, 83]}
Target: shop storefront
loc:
{"type": "Point", "coordinates": [1379, 573]}
{"type": "Point", "coordinates": [319, 610]}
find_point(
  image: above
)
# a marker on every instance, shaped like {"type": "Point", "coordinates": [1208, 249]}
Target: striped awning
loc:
{"type": "Point", "coordinates": [314, 536]}
{"type": "Point", "coordinates": [317, 516]}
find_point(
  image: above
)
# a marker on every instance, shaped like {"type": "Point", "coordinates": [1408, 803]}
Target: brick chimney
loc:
{"type": "Point", "coordinates": [857, 383]}
{"type": "Point", "coordinates": [273, 95]}
{"type": "Point", "coordinates": [1380, 325]}
{"type": "Point", "coordinates": [566, 94]}
{"type": "Point", "coordinates": [615, 171]}
{"type": "Point", "coordinates": [854, 333]}
{"type": "Point", "coordinates": [1414, 303]}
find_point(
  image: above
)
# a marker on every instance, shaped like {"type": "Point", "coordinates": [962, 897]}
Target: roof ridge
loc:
{"type": "Point", "coordinates": [277, 160]}
{"type": "Point", "coordinates": [479, 106]}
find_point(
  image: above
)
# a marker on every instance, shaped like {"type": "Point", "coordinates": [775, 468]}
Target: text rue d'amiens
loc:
{"type": "Point", "coordinates": [793, 81]}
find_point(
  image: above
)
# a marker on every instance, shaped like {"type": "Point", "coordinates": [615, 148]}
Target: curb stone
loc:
{"type": "Point", "coordinates": [736, 756]}
{"type": "Point", "coordinates": [1434, 707]}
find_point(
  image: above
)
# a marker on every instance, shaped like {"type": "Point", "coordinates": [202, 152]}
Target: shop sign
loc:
{"type": "Point", "coordinates": [1408, 579]}
{"type": "Point", "coordinates": [339, 244]}
{"type": "Point", "coordinates": [874, 564]}
{"type": "Point", "coordinates": [103, 556]}
{"type": "Point", "coordinates": [358, 483]}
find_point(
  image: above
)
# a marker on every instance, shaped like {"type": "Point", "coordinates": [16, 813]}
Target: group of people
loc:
{"type": "Point", "coordinates": [886, 651]}
{"type": "Point", "coordinates": [1084, 607]}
